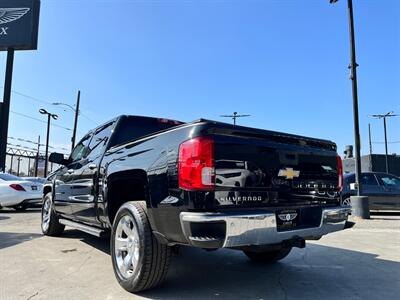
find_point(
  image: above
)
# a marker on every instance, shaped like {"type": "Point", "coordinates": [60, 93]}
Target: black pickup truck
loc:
{"type": "Point", "coordinates": [152, 184]}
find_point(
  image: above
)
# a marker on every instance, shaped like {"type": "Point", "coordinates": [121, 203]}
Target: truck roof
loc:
{"type": "Point", "coordinates": [238, 130]}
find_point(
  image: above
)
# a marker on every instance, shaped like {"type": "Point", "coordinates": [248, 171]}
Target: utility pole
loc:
{"type": "Point", "coordinates": [78, 99]}
{"type": "Point", "coordinates": [5, 109]}
{"type": "Point", "coordinates": [370, 146]}
{"type": "Point", "coordinates": [37, 157]}
{"type": "Point", "coordinates": [369, 138]}
{"type": "Point", "coordinates": [234, 117]}
{"type": "Point", "coordinates": [76, 112]}
{"type": "Point", "coordinates": [49, 116]}
{"type": "Point", "coordinates": [384, 116]}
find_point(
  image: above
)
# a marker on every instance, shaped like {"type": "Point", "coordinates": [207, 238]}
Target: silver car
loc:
{"type": "Point", "coordinates": [18, 193]}
{"type": "Point", "coordinates": [382, 189]}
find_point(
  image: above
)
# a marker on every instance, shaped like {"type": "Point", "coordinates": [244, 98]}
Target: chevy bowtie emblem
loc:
{"type": "Point", "coordinates": [8, 15]}
{"type": "Point", "coordinates": [289, 173]}
{"type": "Point", "coordinates": [287, 217]}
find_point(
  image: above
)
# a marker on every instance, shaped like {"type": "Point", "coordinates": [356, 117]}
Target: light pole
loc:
{"type": "Point", "coordinates": [76, 111]}
{"type": "Point", "coordinates": [360, 204]}
{"type": "Point", "coordinates": [387, 115]}
{"type": "Point", "coordinates": [353, 77]}
{"type": "Point", "coordinates": [49, 116]}
{"type": "Point", "coordinates": [234, 117]}
{"type": "Point", "coordinates": [5, 109]}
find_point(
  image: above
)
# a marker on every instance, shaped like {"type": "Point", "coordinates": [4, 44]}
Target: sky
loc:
{"type": "Point", "coordinates": [282, 62]}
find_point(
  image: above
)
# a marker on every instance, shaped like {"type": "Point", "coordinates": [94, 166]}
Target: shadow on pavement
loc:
{"type": "Point", "coordinates": [102, 244]}
{"type": "Point", "coordinates": [4, 218]}
{"type": "Point", "coordinates": [317, 272]}
{"type": "Point", "coordinates": [9, 239]}
{"type": "Point", "coordinates": [320, 272]}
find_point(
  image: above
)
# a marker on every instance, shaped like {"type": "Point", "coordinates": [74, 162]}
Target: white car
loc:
{"type": "Point", "coordinates": [18, 193]}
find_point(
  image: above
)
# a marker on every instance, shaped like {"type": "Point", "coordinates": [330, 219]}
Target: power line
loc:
{"type": "Point", "coordinates": [48, 103]}
{"type": "Point", "coordinates": [35, 143]}
{"type": "Point", "coordinates": [87, 118]}
{"type": "Point", "coordinates": [39, 120]}
{"type": "Point", "coordinates": [32, 98]}
{"type": "Point", "coordinates": [394, 142]}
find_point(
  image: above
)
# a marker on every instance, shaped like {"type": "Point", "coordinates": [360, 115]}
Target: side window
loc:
{"type": "Point", "coordinates": [80, 149]}
{"type": "Point", "coordinates": [389, 180]}
{"type": "Point", "coordinates": [368, 179]}
{"type": "Point", "coordinates": [99, 141]}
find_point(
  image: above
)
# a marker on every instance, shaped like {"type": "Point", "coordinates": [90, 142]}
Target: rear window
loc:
{"type": "Point", "coordinates": [9, 177]}
{"type": "Point", "coordinates": [133, 128]}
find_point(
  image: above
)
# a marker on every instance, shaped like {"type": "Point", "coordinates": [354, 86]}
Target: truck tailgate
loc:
{"type": "Point", "coordinates": [270, 169]}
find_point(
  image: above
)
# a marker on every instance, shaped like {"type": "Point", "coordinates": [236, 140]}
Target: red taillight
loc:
{"type": "Point", "coordinates": [17, 187]}
{"type": "Point", "coordinates": [196, 164]}
{"type": "Point", "coordinates": [340, 172]}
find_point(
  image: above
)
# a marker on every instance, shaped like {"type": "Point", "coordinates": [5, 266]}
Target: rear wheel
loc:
{"type": "Point", "coordinates": [139, 260]}
{"type": "Point", "coordinates": [268, 256]}
{"type": "Point", "coordinates": [50, 224]}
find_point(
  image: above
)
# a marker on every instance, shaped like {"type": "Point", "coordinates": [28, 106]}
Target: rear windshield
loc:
{"type": "Point", "coordinates": [133, 128]}
{"type": "Point", "coordinates": [8, 177]}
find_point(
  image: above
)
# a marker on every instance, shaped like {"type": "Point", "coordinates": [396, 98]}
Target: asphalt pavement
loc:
{"type": "Point", "coordinates": [358, 263]}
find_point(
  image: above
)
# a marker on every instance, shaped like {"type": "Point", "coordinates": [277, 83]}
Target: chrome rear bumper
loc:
{"type": "Point", "coordinates": [257, 228]}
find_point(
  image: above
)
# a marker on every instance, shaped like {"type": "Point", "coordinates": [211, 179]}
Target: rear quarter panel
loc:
{"type": "Point", "coordinates": [156, 156]}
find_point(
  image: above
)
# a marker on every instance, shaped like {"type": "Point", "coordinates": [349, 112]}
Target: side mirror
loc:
{"type": "Point", "coordinates": [58, 158]}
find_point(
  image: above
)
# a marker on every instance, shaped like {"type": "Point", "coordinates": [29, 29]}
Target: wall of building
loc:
{"type": "Point", "coordinates": [375, 163]}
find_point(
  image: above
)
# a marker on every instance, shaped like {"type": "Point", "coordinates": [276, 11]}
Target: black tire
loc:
{"type": "Point", "coordinates": [54, 227]}
{"type": "Point", "coordinates": [153, 257]}
{"type": "Point", "coordinates": [268, 256]}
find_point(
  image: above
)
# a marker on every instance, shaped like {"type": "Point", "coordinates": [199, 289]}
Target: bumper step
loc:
{"type": "Point", "coordinates": [85, 228]}
{"type": "Point", "coordinates": [206, 242]}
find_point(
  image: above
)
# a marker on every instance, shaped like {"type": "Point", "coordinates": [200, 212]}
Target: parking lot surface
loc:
{"type": "Point", "coordinates": [359, 263]}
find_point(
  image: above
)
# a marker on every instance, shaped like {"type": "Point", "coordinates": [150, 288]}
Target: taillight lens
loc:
{"type": "Point", "coordinates": [340, 172]}
{"type": "Point", "coordinates": [196, 164]}
{"type": "Point", "coordinates": [17, 187]}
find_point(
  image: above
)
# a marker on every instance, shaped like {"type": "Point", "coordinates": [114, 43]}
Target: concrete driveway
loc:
{"type": "Point", "coordinates": [359, 263]}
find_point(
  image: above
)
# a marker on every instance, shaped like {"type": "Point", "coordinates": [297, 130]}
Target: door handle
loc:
{"type": "Point", "coordinates": [70, 171]}
{"type": "Point", "coordinates": [92, 167]}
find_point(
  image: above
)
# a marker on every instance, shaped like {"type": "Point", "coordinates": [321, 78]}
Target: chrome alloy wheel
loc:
{"type": "Point", "coordinates": [347, 201]}
{"type": "Point", "coordinates": [46, 214]}
{"type": "Point", "coordinates": [126, 246]}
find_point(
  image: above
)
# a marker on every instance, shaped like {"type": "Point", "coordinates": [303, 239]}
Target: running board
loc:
{"type": "Point", "coordinates": [85, 228]}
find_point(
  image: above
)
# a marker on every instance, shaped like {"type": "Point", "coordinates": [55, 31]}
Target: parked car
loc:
{"type": "Point", "coordinates": [18, 193]}
{"type": "Point", "coordinates": [35, 179]}
{"type": "Point", "coordinates": [382, 189]}
{"type": "Point", "coordinates": [155, 183]}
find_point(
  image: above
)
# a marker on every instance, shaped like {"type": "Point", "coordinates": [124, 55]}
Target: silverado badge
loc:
{"type": "Point", "coordinates": [289, 173]}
